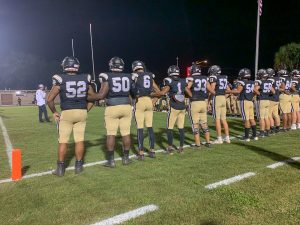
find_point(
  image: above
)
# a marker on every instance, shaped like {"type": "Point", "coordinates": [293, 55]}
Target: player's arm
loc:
{"type": "Point", "coordinates": [293, 87]}
{"type": "Point", "coordinates": [188, 92]}
{"type": "Point", "coordinates": [90, 104]}
{"type": "Point", "coordinates": [238, 90]}
{"type": "Point", "coordinates": [155, 86]}
{"type": "Point", "coordinates": [210, 89]}
{"type": "Point", "coordinates": [93, 96]}
{"type": "Point", "coordinates": [282, 87]}
{"type": "Point", "coordinates": [50, 101]}
{"type": "Point", "coordinates": [273, 90]}
{"type": "Point", "coordinates": [256, 89]}
{"type": "Point", "coordinates": [160, 93]}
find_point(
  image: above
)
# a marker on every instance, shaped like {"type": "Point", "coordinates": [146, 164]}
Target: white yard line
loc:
{"type": "Point", "coordinates": [7, 142]}
{"type": "Point", "coordinates": [230, 180]}
{"type": "Point", "coordinates": [72, 168]}
{"type": "Point", "coordinates": [275, 165]}
{"type": "Point", "coordinates": [127, 216]}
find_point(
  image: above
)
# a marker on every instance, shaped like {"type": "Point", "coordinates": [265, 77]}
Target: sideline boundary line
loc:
{"type": "Point", "coordinates": [230, 180]}
{"type": "Point", "coordinates": [128, 215]}
{"type": "Point", "coordinates": [7, 142]}
{"type": "Point", "coordinates": [282, 163]}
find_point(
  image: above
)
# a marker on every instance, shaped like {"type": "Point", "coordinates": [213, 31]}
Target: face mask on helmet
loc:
{"type": "Point", "coordinates": [244, 74]}
{"type": "Point", "coordinates": [262, 74]}
{"type": "Point", "coordinates": [270, 72]}
{"type": "Point", "coordinates": [173, 71]}
{"type": "Point", "coordinates": [295, 74]}
{"type": "Point", "coordinates": [214, 70]}
{"type": "Point", "coordinates": [70, 64]}
{"type": "Point", "coordinates": [195, 70]}
{"type": "Point", "coordinates": [283, 73]}
{"type": "Point", "coordinates": [138, 65]}
{"type": "Point", "coordinates": [116, 64]}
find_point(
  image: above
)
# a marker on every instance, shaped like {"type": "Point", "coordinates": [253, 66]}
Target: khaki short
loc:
{"type": "Point", "coordinates": [247, 109]}
{"type": "Point", "coordinates": [118, 116]}
{"type": "Point", "coordinates": [295, 103]}
{"type": "Point", "coordinates": [285, 103]}
{"type": "Point", "coordinates": [273, 109]}
{"type": "Point", "coordinates": [174, 116]}
{"type": "Point", "coordinates": [72, 120]}
{"type": "Point", "coordinates": [143, 112]}
{"type": "Point", "coordinates": [198, 112]}
{"type": "Point", "coordinates": [219, 107]}
{"type": "Point", "coordinates": [262, 109]}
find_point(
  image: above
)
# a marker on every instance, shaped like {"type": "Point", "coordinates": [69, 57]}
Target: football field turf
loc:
{"type": "Point", "coordinates": [175, 183]}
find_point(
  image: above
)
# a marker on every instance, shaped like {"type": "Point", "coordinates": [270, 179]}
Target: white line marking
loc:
{"type": "Point", "coordinates": [72, 168]}
{"type": "Point", "coordinates": [127, 216]}
{"type": "Point", "coordinates": [230, 180]}
{"type": "Point", "coordinates": [275, 165]}
{"type": "Point", "coordinates": [7, 141]}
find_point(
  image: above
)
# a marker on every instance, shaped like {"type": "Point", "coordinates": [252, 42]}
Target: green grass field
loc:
{"type": "Point", "coordinates": [175, 183]}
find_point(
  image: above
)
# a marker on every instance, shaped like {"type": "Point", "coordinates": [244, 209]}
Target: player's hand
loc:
{"type": "Point", "coordinates": [56, 116]}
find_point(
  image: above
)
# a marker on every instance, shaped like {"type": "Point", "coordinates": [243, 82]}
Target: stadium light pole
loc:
{"type": "Point", "coordinates": [92, 51]}
{"type": "Point", "coordinates": [259, 12]}
{"type": "Point", "coordinates": [73, 47]}
{"type": "Point", "coordinates": [177, 60]}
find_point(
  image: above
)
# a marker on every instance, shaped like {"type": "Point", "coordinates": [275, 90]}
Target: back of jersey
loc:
{"type": "Point", "coordinates": [265, 89]}
{"type": "Point", "coordinates": [288, 83]}
{"type": "Point", "coordinates": [73, 90]}
{"type": "Point", "coordinates": [276, 85]}
{"type": "Point", "coordinates": [143, 83]}
{"type": "Point", "coordinates": [248, 87]}
{"type": "Point", "coordinates": [177, 86]}
{"type": "Point", "coordinates": [221, 83]}
{"type": "Point", "coordinates": [198, 89]}
{"type": "Point", "coordinates": [120, 84]}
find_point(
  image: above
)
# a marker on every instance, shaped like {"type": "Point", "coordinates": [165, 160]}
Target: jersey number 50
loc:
{"type": "Point", "coordinates": [76, 89]}
{"type": "Point", "coordinates": [121, 84]}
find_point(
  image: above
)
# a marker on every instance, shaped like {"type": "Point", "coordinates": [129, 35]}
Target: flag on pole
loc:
{"type": "Point", "coordinates": [260, 5]}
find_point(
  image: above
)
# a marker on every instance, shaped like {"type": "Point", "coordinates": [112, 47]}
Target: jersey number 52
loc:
{"type": "Point", "coordinates": [76, 89]}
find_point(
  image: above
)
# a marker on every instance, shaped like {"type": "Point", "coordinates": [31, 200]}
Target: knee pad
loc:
{"type": "Point", "coordinates": [195, 130]}
{"type": "Point", "coordinates": [204, 128]}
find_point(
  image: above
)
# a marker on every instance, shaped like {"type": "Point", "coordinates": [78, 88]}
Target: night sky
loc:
{"type": "Point", "coordinates": [36, 35]}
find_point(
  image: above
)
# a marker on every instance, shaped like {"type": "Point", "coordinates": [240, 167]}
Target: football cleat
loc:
{"type": "Point", "coordinates": [140, 157]}
{"type": "Point", "coordinates": [227, 140]}
{"type": "Point", "coordinates": [60, 170]}
{"type": "Point", "coordinates": [110, 163]}
{"type": "Point", "coordinates": [78, 166]}
{"type": "Point", "coordinates": [180, 149]}
{"type": "Point", "coordinates": [126, 160]}
{"type": "Point", "coordinates": [218, 141]}
{"type": "Point", "coordinates": [245, 139]}
{"type": "Point", "coordinates": [152, 154]}
{"type": "Point", "coordinates": [170, 150]}
{"type": "Point", "coordinates": [207, 144]}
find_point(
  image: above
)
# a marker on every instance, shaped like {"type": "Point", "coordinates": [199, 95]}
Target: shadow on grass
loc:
{"type": "Point", "coordinates": [208, 222]}
{"type": "Point", "coordinates": [272, 155]}
{"type": "Point", "coordinates": [25, 169]}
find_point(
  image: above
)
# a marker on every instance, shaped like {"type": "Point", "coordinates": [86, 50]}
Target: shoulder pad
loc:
{"type": "Point", "coordinates": [271, 79]}
{"type": "Point", "coordinates": [212, 78]}
{"type": "Point", "coordinates": [295, 81]}
{"type": "Point", "coordinates": [167, 81]}
{"type": "Point", "coordinates": [134, 76]}
{"type": "Point", "coordinates": [89, 78]}
{"type": "Point", "coordinates": [241, 83]}
{"type": "Point", "coordinates": [257, 82]}
{"type": "Point", "coordinates": [56, 79]}
{"type": "Point", "coordinates": [153, 75]}
{"type": "Point", "coordinates": [103, 77]}
{"type": "Point", "coordinates": [189, 79]}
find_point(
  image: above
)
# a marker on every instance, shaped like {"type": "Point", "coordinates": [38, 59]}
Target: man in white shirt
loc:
{"type": "Point", "coordinates": [40, 96]}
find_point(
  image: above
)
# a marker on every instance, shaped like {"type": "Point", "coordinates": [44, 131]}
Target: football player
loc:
{"type": "Point", "coordinates": [295, 99]}
{"type": "Point", "coordinates": [245, 89]}
{"type": "Point", "coordinates": [234, 100]}
{"type": "Point", "coordinates": [199, 86]}
{"type": "Point", "coordinates": [175, 87]}
{"type": "Point", "coordinates": [73, 88]}
{"type": "Point", "coordinates": [219, 84]}
{"type": "Point", "coordinates": [263, 89]}
{"type": "Point", "coordinates": [274, 102]}
{"type": "Point", "coordinates": [116, 87]}
{"type": "Point", "coordinates": [143, 108]}
{"type": "Point", "coordinates": [285, 99]}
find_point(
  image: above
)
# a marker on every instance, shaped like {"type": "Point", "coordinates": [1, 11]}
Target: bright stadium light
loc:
{"type": "Point", "coordinates": [18, 92]}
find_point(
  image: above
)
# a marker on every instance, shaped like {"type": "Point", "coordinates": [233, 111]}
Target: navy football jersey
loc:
{"type": "Point", "coordinates": [265, 89]}
{"type": "Point", "coordinates": [296, 83]}
{"type": "Point", "coordinates": [120, 84]}
{"type": "Point", "coordinates": [198, 88]}
{"type": "Point", "coordinates": [73, 90]}
{"type": "Point", "coordinates": [177, 86]}
{"type": "Point", "coordinates": [221, 83]}
{"type": "Point", "coordinates": [248, 89]}
{"type": "Point", "coordinates": [288, 83]}
{"type": "Point", "coordinates": [143, 83]}
{"type": "Point", "coordinates": [276, 85]}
